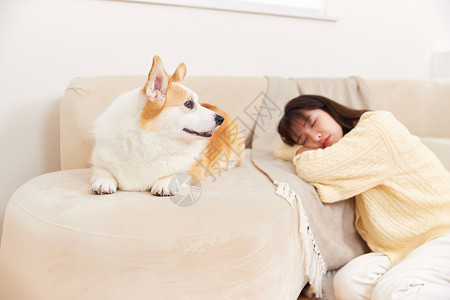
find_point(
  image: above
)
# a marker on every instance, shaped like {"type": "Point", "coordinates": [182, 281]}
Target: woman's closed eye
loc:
{"type": "Point", "coordinates": [306, 138]}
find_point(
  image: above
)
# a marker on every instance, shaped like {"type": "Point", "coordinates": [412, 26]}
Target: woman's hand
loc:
{"type": "Point", "coordinates": [303, 149]}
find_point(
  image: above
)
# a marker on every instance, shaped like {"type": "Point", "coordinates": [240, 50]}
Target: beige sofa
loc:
{"type": "Point", "coordinates": [239, 240]}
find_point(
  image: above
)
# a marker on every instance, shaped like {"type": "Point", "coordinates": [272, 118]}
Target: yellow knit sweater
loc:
{"type": "Point", "coordinates": [401, 189]}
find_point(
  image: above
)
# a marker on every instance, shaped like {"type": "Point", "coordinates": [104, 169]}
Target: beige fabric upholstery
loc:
{"type": "Point", "coordinates": [423, 106]}
{"type": "Point", "coordinates": [86, 98]}
{"type": "Point", "coordinates": [237, 242]}
{"type": "Point", "coordinates": [440, 147]}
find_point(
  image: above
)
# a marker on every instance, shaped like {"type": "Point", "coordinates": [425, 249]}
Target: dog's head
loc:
{"type": "Point", "coordinates": [173, 108]}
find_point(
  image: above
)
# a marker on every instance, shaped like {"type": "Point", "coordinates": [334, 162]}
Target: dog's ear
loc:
{"type": "Point", "coordinates": [157, 82]}
{"type": "Point", "coordinates": [180, 73]}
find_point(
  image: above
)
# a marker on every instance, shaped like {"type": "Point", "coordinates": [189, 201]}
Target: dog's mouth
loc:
{"type": "Point", "coordinates": [202, 134]}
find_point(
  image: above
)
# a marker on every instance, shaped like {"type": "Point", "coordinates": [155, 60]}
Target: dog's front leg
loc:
{"type": "Point", "coordinates": [166, 186]}
{"type": "Point", "coordinates": [103, 182]}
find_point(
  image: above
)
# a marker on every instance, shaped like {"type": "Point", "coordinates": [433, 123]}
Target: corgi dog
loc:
{"type": "Point", "coordinates": [150, 134]}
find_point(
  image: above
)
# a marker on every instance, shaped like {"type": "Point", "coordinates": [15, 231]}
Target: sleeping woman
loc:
{"type": "Point", "coordinates": [401, 190]}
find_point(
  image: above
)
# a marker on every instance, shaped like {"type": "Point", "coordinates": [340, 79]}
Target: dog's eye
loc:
{"type": "Point", "coordinates": [189, 104]}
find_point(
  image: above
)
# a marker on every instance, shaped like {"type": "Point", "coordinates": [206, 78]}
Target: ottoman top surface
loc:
{"type": "Point", "coordinates": [240, 199]}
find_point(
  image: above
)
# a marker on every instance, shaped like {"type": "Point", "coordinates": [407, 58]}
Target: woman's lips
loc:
{"type": "Point", "coordinates": [326, 142]}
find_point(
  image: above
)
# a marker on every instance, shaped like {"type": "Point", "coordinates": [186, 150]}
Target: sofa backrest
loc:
{"type": "Point", "coordinates": [87, 97]}
{"type": "Point", "coordinates": [422, 105]}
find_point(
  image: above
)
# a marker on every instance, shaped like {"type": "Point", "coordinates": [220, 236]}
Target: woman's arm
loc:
{"type": "Point", "coordinates": [357, 163]}
{"type": "Point", "coordinates": [303, 149]}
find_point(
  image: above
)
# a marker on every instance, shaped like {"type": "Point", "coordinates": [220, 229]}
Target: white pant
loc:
{"type": "Point", "coordinates": [423, 274]}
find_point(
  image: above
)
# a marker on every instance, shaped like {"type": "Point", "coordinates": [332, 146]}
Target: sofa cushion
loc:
{"type": "Point", "coordinates": [440, 147]}
{"type": "Point", "coordinates": [285, 152]}
{"type": "Point", "coordinates": [239, 240]}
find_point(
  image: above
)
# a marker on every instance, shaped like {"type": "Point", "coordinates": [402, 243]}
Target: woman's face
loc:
{"type": "Point", "coordinates": [319, 130]}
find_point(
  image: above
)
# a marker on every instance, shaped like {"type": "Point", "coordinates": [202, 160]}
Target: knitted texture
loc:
{"type": "Point", "coordinates": [402, 190]}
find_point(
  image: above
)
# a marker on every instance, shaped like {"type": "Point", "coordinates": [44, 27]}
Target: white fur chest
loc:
{"type": "Point", "coordinates": [138, 158]}
{"type": "Point", "coordinates": [139, 166]}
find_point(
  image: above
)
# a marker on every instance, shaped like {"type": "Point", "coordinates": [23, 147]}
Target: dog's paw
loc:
{"type": "Point", "coordinates": [166, 186]}
{"type": "Point", "coordinates": [104, 185]}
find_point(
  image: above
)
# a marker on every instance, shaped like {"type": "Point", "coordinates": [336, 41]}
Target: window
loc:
{"type": "Point", "coordinates": [310, 9]}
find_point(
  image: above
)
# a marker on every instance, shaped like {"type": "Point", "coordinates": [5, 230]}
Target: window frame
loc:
{"type": "Point", "coordinates": [252, 6]}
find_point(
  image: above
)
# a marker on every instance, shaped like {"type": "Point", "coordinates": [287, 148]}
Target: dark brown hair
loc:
{"type": "Point", "coordinates": [346, 117]}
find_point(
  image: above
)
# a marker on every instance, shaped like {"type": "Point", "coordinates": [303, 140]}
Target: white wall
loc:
{"type": "Point", "coordinates": [44, 44]}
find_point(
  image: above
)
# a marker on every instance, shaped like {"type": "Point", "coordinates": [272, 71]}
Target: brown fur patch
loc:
{"type": "Point", "coordinates": [225, 145]}
{"type": "Point", "coordinates": [150, 110]}
{"type": "Point", "coordinates": [180, 73]}
{"type": "Point", "coordinates": [176, 95]}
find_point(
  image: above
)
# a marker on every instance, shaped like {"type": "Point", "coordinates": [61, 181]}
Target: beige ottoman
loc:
{"type": "Point", "coordinates": [236, 241]}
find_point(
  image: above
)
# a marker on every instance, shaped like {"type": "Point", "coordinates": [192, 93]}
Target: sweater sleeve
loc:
{"type": "Point", "coordinates": [357, 163]}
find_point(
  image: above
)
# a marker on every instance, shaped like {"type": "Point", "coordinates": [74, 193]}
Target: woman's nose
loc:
{"type": "Point", "coordinates": [315, 136]}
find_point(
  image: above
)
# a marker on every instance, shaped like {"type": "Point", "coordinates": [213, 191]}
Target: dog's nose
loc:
{"type": "Point", "coordinates": [219, 119]}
